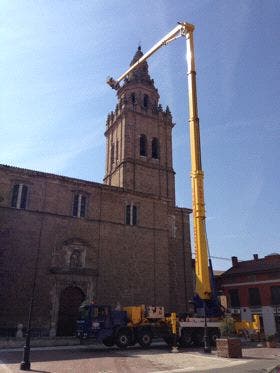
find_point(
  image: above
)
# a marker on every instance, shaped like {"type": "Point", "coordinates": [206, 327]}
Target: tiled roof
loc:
{"type": "Point", "coordinates": [218, 272]}
{"type": "Point", "coordinates": [268, 263]}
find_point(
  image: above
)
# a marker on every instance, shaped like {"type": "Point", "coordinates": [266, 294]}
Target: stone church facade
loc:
{"type": "Point", "coordinates": [122, 241]}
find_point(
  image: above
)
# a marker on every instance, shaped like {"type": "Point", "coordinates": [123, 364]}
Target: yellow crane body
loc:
{"type": "Point", "coordinates": [254, 325]}
{"type": "Point", "coordinates": [203, 286]}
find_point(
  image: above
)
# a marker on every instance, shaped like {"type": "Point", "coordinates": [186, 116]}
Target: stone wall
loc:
{"type": "Point", "coordinates": [146, 263]}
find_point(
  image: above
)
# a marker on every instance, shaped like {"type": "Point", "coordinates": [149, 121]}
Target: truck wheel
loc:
{"type": "Point", "coordinates": [186, 338]}
{"type": "Point", "coordinates": [108, 341]}
{"type": "Point", "coordinates": [198, 337]}
{"type": "Point", "coordinates": [144, 338]}
{"type": "Point", "coordinates": [123, 339]}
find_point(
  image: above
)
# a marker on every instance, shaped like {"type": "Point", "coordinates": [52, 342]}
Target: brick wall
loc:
{"type": "Point", "coordinates": [130, 264]}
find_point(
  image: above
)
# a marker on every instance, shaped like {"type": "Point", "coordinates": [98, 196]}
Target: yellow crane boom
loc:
{"type": "Point", "coordinates": [203, 286]}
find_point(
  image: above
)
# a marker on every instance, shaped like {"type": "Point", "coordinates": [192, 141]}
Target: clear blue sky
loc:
{"type": "Point", "coordinates": [55, 57]}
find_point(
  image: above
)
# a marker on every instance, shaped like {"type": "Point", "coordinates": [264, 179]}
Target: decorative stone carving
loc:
{"type": "Point", "coordinates": [172, 226]}
{"type": "Point", "coordinates": [70, 255]}
{"type": "Point", "coordinates": [75, 259]}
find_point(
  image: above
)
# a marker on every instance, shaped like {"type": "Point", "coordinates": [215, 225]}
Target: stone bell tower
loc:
{"type": "Point", "coordinates": [139, 138]}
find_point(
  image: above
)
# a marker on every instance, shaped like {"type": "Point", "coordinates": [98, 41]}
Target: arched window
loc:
{"type": "Point", "coordinates": [117, 151]}
{"type": "Point", "coordinates": [112, 154]}
{"type": "Point", "coordinates": [155, 148]}
{"type": "Point", "coordinates": [133, 98]}
{"type": "Point", "coordinates": [143, 145]}
{"type": "Point", "coordinates": [131, 215]}
{"type": "Point", "coordinates": [146, 101]}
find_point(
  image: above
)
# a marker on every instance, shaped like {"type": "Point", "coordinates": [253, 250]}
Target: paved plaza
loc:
{"type": "Point", "coordinates": [158, 359]}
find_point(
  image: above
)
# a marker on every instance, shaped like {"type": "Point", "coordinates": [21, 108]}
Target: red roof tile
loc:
{"type": "Point", "coordinates": [268, 263]}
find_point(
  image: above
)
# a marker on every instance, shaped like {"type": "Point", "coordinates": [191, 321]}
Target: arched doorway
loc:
{"type": "Point", "coordinates": [70, 300]}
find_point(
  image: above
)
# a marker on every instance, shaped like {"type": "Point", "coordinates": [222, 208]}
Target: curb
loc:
{"type": "Point", "coordinates": [38, 342]}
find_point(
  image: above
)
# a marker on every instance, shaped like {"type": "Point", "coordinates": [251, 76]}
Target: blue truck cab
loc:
{"type": "Point", "coordinates": [102, 324]}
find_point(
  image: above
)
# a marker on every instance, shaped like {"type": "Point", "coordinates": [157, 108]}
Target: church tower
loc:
{"type": "Point", "coordinates": [139, 138]}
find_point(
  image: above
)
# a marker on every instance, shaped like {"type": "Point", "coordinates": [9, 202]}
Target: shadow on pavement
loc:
{"type": "Point", "coordinates": [60, 354]}
{"type": "Point", "coordinates": [13, 357]}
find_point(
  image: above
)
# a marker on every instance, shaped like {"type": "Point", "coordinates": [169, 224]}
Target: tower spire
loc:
{"type": "Point", "coordinates": [141, 74]}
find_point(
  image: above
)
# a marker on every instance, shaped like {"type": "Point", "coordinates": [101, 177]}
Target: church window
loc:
{"type": "Point", "coordinates": [131, 215]}
{"type": "Point", "coordinates": [146, 101]}
{"type": "Point", "coordinates": [117, 150]}
{"type": "Point", "coordinates": [155, 148]}
{"type": "Point", "coordinates": [19, 196]}
{"type": "Point", "coordinates": [112, 154]}
{"type": "Point", "coordinates": [79, 205]}
{"type": "Point", "coordinates": [133, 98]}
{"type": "Point", "coordinates": [143, 145]}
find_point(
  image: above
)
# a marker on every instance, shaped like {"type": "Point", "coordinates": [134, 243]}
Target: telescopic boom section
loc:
{"type": "Point", "coordinates": [203, 287]}
{"type": "Point", "coordinates": [172, 35]}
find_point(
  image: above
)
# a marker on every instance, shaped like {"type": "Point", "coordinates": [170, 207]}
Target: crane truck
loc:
{"type": "Point", "coordinates": [140, 324]}
{"type": "Point", "coordinates": [203, 284]}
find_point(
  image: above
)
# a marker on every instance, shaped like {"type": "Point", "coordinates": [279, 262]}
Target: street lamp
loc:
{"type": "Point", "coordinates": [25, 364]}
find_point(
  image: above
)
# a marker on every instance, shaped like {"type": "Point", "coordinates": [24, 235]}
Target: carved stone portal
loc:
{"type": "Point", "coordinates": [67, 295]}
{"type": "Point", "coordinates": [74, 271]}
